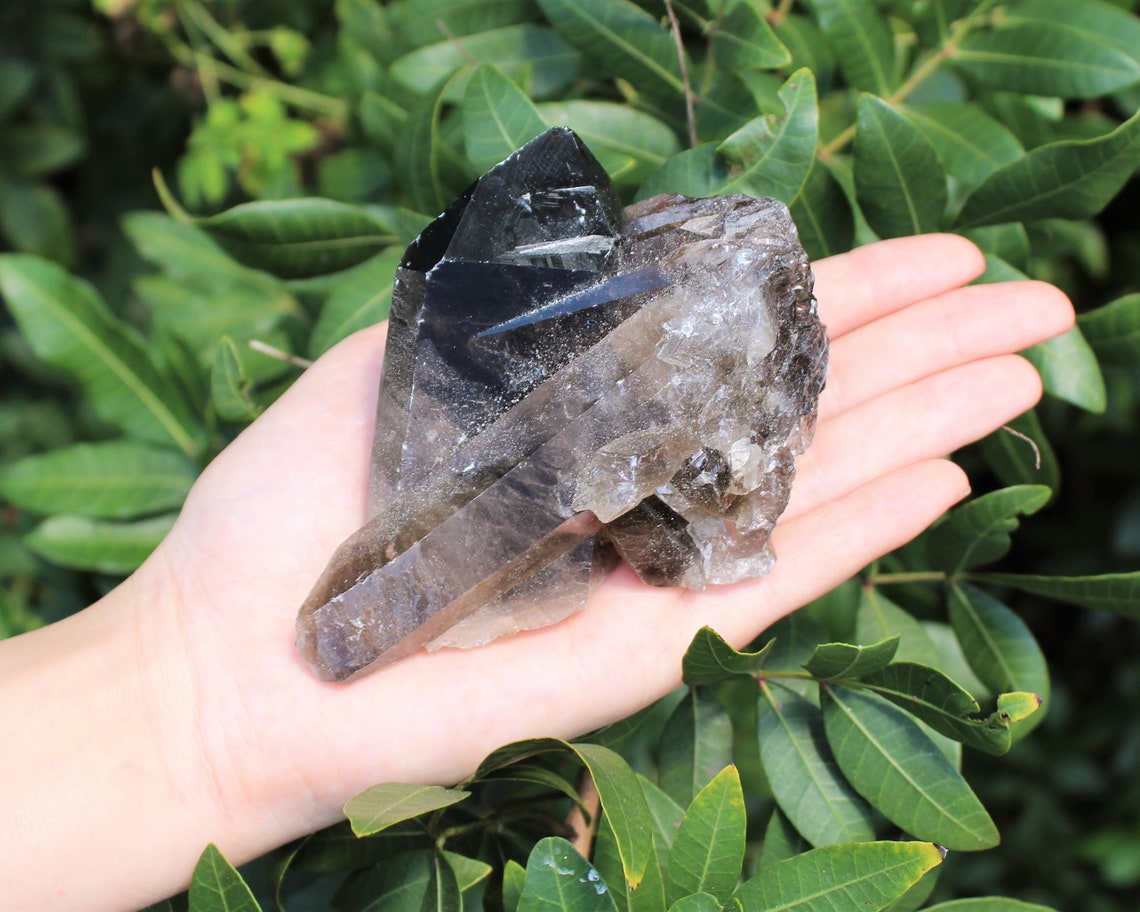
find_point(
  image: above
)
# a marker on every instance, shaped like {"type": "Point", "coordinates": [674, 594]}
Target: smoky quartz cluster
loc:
{"type": "Point", "coordinates": [566, 384]}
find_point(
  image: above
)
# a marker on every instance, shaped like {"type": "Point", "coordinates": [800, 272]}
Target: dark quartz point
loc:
{"type": "Point", "coordinates": [564, 383]}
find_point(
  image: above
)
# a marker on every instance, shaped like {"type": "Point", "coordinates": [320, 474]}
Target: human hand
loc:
{"type": "Point", "coordinates": [919, 367]}
{"type": "Point", "coordinates": [914, 376]}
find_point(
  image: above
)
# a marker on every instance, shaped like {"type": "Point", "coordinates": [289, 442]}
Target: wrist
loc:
{"type": "Point", "coordinates": [99, 773]}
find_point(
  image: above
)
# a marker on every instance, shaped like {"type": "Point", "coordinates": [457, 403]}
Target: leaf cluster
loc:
{"type": "Point", "coordinates": [323, 137]}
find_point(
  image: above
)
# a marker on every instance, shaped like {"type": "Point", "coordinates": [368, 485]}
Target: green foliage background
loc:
{"type": "Point", "coordinates": [312, 140]}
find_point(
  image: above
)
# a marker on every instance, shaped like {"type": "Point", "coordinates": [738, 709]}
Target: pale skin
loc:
{"type": "Point", "coordinates": [175, 711]}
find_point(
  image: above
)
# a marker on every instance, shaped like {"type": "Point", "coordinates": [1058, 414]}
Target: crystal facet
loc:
{"type": "Point", "coordinates": [565, 383]}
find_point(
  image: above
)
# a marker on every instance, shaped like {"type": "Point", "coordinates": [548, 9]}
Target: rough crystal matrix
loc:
{"type": "Point", "coordinates": [563, 382]}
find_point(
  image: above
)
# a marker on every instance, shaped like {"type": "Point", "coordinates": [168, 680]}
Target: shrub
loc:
{"type": "Point", "coordinates": [321, 137]}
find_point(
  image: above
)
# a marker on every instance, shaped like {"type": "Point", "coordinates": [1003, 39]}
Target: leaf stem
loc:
{"type": "Point", "coordinates": [780, 13]}
{"type": "Point", "coordinates": [690, 113]}
{"type": "Point", "coordinates": [921, 576]}
{"type": "Point", "coordinates": [290, 94]}
{"type": "Point", "coordinates": [221, 38]}
{"type": "Point", "coordinates": [927, 68]}
{"type": "Point", "coordinates": [499, 822]}
{"type": "Point", "coordinates": [583, 818]}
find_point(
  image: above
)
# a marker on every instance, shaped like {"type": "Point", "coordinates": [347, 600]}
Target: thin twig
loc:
{"type": "Point", "coordinates": [780, 13]}
{"type": "Point", "coordinates": [451, 36]}
{"type": "Point", "coordinates": [1029, 440]}
{"type": "Point", "coordinates": [266, 349]}
{"type": "Point", "coordinates": [931, 64]}
{"type": "Point", "coordinates": [690, 109]}
{"type": "Point", "coordinates": [582, 820]}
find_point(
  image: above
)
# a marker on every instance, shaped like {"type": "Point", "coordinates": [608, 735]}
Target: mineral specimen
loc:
{"type": "Point", "coordinates": [563, 382]}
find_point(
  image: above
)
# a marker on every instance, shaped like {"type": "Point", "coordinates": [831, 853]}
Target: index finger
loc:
{"type": "Point", "coordinates": [868, 282]}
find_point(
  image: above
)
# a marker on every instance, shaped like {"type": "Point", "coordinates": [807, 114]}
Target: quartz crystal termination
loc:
{"type": "Point", "coordinates": [565, 382]}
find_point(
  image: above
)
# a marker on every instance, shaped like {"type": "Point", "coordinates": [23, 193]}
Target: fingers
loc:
{"type": "Point", "coordinates": [913, 423]}
{"type": "Point", "coordinates": [938, 334]}
{"type": "Point", "coordinates": [859, 527]}
{"type": "Point", "coordinates": [868, 282]}
{"type": "Point", "coordinates": [625, 649]}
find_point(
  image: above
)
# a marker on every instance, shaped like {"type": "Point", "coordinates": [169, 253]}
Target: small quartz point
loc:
{"type": "Point", "coordinates": [567, 383]}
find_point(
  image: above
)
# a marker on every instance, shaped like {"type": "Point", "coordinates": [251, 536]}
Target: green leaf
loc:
{"type": "Point", "coordinates": [648, 896]}
{"type": "Point", "coordinates": [362, 299]}
{"type": "Point", "coordinates": [35, 149]}
{"type": "Point", "coordinates": [625, 807]}
{"type": "Point", "coordinates": [424, 157]}
{"type": "Point", "coordinates": [898, 178]}
{"type": "Point", "coordinates": [978, 532]}
{"type": "Point", "coordinates": [514, 882]}
{"type": "Point", "coordinates": [184, 367]}
{"type": "Point", "coordinates": [988, 904]}
{"type": "Point", "coordinates": [187, 253]}
{"type": "Point", "coordinates": [1015, 460]}
{"type": "Point", "coordinates": [781, 841]}
{"type": "Point", "coordinates": [696, 744]}
{"type": "Point", "coordinates": [695, 172]}
{"type": "Point", "coordinates": [417, 24]}
{"type": "Point", "coordinates": [710, 660]}
{"type": "Point", "coordinates": [1008, 242]}
{"type": "Point", "coordinates": [397, 883]}
{"type": "Point", "coordinates": [942, 704]}
{"type": "Point", "coordinates": [842, 660]}
{"type": "Point", "coordinates": [116, 480]}
{"type": "Point", "coordinates": [498, 118]}
{"type": "Point", "coordinates": [627, 42]}
{"type": "Point", "coordinates": [1113, 331]}
{"type": "Point", "coordinates": [35, 219]}
{"type": "Point", "coordinates": [878, 617]}
{"type": "Point", "coordinates": [16, 80]}
{"type": "Point", "coordinates": [1069, 370]}
{"type": "Point", "coordinates": [516, 751]}
{"type": "Point", "coordinates": [383, 805]}
{"type": "Point", "coordinates": [543, 57]}
{"type": "Point", "coordinates": [744, 40]}
{"type": "Point", "coordinates": [1116, 592]}
{"type": "Point", "coordinates": [772, 154]}
{"type": "Point", "coordinates": [117, 548]}
{"type": "Point", "coordinates": [619, 792]}
{"type": "Point", "coordinates": [861, 41]}
{"type": "Point", "coordinates": [697, 902]}
{"type": "Point", "coordinates": [969, 143]}
{"type": "Point", "coordinates": [802, 37]}
{"type": "Point", "coordinates": [1073, 179]}
{"type": "Point", "coordinates": [866, 876]}
{"type": "Point", "coordinates": [794, 638]}
{"type": "Point", "coordinates": [1044, 58]}
{"type": "Point", "coordinates": [628, 143]}
{"type": "Point", "coordinates": [297, 238]}
{"type": "Point", "coordinates": [804, 777]}
{"type": "Point", "coordinates": [900, 771]}
{"type": "Point", "coordinates": [917, 895]}
{"type": "Point", "coordinates": [537, 774]}
{"type": "Point", "coordinates": [468, 872]}
{"type": "Point", "coordinates": [666, 814]}
{"type": "Point", "coordinates": [558, 879]}
{"type": "Point", "coordinates": [229, 386]}
{"type": "Point", "coordinates": [823, 214]}
{"type": "Point", "coordinates": [442, 894]}
{"type": "Point", "coordinates": [1102, 22]}
{"type": "Point", "coordinates": [217, 887]}
{"type": "Point", "coordinates": [67, 324]}
{"type": "Point", "coordinates": [999, 646]}
{"type": "Point", "coordinates": [709, 847]}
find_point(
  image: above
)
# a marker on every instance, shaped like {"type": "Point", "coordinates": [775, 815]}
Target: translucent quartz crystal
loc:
{"type": "Point", "coordinates": [565, 383]}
